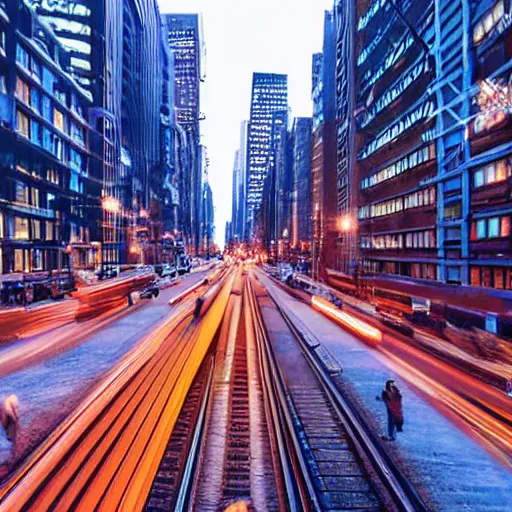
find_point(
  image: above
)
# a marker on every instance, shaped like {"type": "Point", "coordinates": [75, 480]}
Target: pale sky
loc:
{"type": "Point", "coordinates": [242, 37]}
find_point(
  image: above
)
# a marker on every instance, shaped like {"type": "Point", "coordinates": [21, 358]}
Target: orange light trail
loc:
{"type": "Point", "coordinates": [346, 320]}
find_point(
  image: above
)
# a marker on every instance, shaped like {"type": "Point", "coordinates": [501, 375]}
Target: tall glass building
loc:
{"type": "Point", "coordinates": [269, 94]}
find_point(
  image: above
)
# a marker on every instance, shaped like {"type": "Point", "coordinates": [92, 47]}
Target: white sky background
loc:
{"type": "Point", "coordinates": [242, 37]}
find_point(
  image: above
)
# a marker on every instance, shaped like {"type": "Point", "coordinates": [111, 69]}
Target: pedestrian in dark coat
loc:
{"type": "Point", "coordinates": [393, 399]}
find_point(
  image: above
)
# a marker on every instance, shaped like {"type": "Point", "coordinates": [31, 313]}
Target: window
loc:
{"type": "Point", "coordinates": [22, 124]}
{"type": "Point", "coordinates": [494, 227]}
{"type": "Point", "coordinates": [35, 197]}
{"type": "Point", "coordinates": [35, 132]}
{"type": "Point", "coordinates": [50, 201]}
{"type": "Point", "coordinates": [452, 210]}
{"type": "Point", "coordinates": [18, 260]}
{"type": "Point", "coordinates": [454, 234]}
{"type": "Point", "coordinates": [21, 193]}
{"type": "Point", "coordinates": [1, 225]}
{"type": "Point", "coordinates": [35, 100]}
{"type": "Point", "coordinates": [478, 178]}
{"type": "Point", "coordinates": [453, 274]}
{"type": "Point", "coordinates": [505, 226]}
{"type": "Point", "coordinates": [481, 231]}
{"type": "Point", "coordinates": [475, 276]}
{"type": "Point", "coordinates": [37, 259]}
{"type": "Point", "coordinates": [47, 108]}
{"type": "Point", "coordinates": [52, 176]}
{"type": "Point", "coordinates": [492, 173]}
{"type": "Point", "coordinates": [74, 182]}
{"type": "Point", "coordinates": [486, 277]}
{"type": "Point", "coordinates": [58, 120]}
{"type": "Point", "coordinates": [498, 278]}
{"type": "Point", "coordinates": [488, 22]}
{"type": "Point", "coordinates": [36, 229]}
{"type": "Point", "coordinates": [49, 230]}
{"type": "Point", "coordinates": [22, 91]}
{"type": "Point", "coordinates": [20, 228]}
{"type": "Point", "coordinates": [21, 56]}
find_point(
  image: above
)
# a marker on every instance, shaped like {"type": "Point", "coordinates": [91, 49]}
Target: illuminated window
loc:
{"type": "Point", "coordinates": [494, 227]}
{"type": "Point", "coordinates": [478, 178]}
{"type": "Point", "coordinates": [35, 197]}
{"type": "Point", "coordinates": [20, 228]}
{"type": "Point", "coordinates": [1, 225]}
{"type": "Point", "coordinates": [22, 91]}
{"type": "Point", "coordinates": [18, 260]}
{"type": "Point", "coordinates": [23, 124]}
{"type": "Point", "coordinates": [58, 120]}
{"type": "Point", "coordinates": [505, 226]}
{"type": "Point", "coordinates": [501, 170]}
{"type": "Point", "coordinates": [473, 232]}
{"type": "Point", "coordinates": [37, 259]}
{"type": "Point", "coordinates": [498, 278]}
{"type": "Point", "coordinates": [475, 276]}
{"type": "Point", "coordinates": [486, 277]}
{"type": "Point", "coordinates": [36, 229]}
{"type": "Point", "coordinates": [21, 192]}
{"type": "Point", "coordinates": [481, 229]}
{"type": "Point", "coordinates": [49, 230]}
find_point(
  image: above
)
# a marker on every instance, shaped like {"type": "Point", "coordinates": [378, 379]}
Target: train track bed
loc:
{"type": "Point", "coordinates": [235, 460]}
{"type": "Point", "coordinates": [344, 463]}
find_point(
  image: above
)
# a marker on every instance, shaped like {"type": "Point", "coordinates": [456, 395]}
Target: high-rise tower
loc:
{"type": "Point", "coordinates": [269, 94]}
{"type": "Point", "coordinates": [186, 43]}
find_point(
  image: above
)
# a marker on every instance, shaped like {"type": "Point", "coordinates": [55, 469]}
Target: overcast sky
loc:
{"type": "Point", "coordinates": [241, 37]}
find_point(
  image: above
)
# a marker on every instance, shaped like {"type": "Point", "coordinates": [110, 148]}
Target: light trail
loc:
{"type": "Point", "coordinates": [348, 321]}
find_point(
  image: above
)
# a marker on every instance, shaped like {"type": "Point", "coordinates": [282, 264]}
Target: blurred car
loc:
{"type": "Point", "coordinates": [396, 323]}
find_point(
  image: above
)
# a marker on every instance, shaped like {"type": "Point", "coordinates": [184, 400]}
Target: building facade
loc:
{"type": "Point", "coordinates": [301, 208]}
{"type": "Point", "coordinates": [431, 100]}
{"type": "Point", "coordinates": [186, 43]}
{"type": "Point", "coordinates": [49, 191]}
{"type": "Point", "coordinates": [269, 94]}
{"type": "Point", "coordinates": [396, 153]}
{"type": "Point", "coordinates": [323, 165]}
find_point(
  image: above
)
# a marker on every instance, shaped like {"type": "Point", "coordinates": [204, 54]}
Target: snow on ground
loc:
{"type": "Point", "coordinates": [49, 391]}
{"type": "Point", "coordinates": [451, 469]}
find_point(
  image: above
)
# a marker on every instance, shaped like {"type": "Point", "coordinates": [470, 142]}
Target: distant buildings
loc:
{"type": "Point", "coordinates": [186, 43]}
{"type": "Point", "coordinates": [269, 94]}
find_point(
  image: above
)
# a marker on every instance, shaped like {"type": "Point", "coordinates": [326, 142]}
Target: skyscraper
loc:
{"type": "Point", "coordinates": [301, 210]}
{"type": "Point", "coordinates": [269, 94]}
{"type": "Point", "coordinates": [186, 43]}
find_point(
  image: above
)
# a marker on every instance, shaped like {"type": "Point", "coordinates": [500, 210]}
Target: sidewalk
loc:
{"type": "Point", "coordinates": [450, 469]}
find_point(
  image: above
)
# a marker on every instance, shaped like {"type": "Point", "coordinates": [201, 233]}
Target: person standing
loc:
{"type": "Point", "coordinates": [393, 399]}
